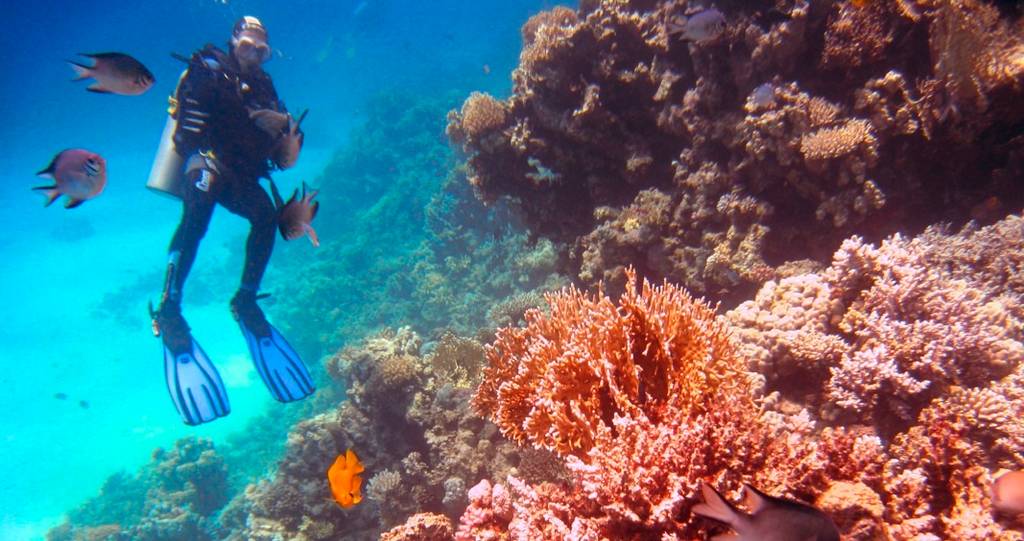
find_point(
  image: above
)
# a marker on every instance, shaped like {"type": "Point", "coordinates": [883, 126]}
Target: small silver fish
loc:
{"type": "Point", "coordinates": [115, 73]}
{"type": "Point", "coordinates": [771, 518]}
{"type": "Point", "coordinates": [291, 143]}
{"type": "Point", "coordinates": [295, 217]}
{"type": "Point", "coordinates": [77, 173]}
{"type": "Point", "coordinates": [704, 25]}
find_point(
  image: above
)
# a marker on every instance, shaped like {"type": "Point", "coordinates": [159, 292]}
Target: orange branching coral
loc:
{"type": "Point", "coordinates": [554, 382]}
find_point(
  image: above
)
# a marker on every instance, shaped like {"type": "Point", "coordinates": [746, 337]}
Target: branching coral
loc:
{"type": "Point", "coordinates": [644, 399]}
{"type": "Point", "coordinates": [886, 329]}
{"type": "Point", "coordinates": [554, 382]}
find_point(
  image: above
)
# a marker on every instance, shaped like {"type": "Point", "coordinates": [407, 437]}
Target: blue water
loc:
{"type": "Point", "coordinates": [74, 283]}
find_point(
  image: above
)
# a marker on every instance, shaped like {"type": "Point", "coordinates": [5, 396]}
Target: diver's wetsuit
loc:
{"type": "Point", "coordinates": [214, 130]}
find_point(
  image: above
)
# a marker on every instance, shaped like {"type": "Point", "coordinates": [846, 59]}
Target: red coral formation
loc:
{"type": "Point", "coordinates": [644, 398]}
{"type": "Point", "coordinates": [713, 163]}
{"type": "Point", "coordinates": [555, 382]}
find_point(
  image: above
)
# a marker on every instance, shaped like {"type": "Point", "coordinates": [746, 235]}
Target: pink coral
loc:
{"type": "Point", "coordinates": [488, 513]}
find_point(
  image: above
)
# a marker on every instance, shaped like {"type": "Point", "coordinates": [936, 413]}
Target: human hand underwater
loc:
{"type": "Point", "coordinates": [269, 120]}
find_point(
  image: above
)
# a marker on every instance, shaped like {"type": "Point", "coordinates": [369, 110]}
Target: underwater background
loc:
{"type": "Point", "coordinates": [582, 265]}
{"type": "Point", "coordinates": [75, 283]}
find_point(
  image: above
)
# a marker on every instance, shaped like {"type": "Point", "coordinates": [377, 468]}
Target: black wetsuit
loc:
{"type": "Point", "coordinates": [214, 99]}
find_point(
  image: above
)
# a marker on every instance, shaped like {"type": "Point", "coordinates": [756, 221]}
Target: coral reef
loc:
{"type": "Point", "coordinates": [920, 341]}
{"type": "Point", "coordinates": [713, 163]}
{"type": "Point", "coordinates": [887, 329]}
{"type": "Point", "coordinates": [644, 399]}
{"type": "Point", "coordinates": [411, 245]}
{"type": "Point", "coordinates": [407, 417]}
{"type": "Point", "coordinates": [174, 497]}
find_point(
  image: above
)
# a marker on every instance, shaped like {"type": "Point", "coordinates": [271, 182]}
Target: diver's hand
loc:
{"type": "Point", "coordinates": [271, 121]}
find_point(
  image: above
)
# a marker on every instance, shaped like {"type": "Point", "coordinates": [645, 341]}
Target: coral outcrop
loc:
{"type": "Point", "coordinates": [712, 163]}
{"type": "Point", "coordinates": [173, 497]}
{"type": "Point", "coordinates": [407, 417]}
{"type": "Point", "coordinates": [886, 329]}
{"type": "Point", "coordinates": [644, 399]}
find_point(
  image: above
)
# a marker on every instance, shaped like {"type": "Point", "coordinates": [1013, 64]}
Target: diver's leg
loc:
{"type": "Point", "coordinates": [197, 210]}
{"type": "Point", "coordinates": [250, 201]}
{"type": "Point", "coordinates": [276, 361]}
{"type": "Point", "coordinates": [195, 387]}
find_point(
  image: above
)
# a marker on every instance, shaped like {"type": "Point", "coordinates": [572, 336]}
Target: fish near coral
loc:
{"type": "Point", "coordinates": [77, 173]}
{"type": "Point", "coordinates": [771, 518]}
{"type": "Point", "coordinates": [700, 26]}
{"type": "Point", "coordinates": [115, 73]}
{"type": "Point", "coordinates": [344, 479]}
{"type": "Point", "coordinates": [1008, 493]}
{"type": "Point", "coordinates": [295, 217]}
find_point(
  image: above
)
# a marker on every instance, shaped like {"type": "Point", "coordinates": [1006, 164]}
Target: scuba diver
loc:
{"type": "Point", "coordinates": [229, 129]}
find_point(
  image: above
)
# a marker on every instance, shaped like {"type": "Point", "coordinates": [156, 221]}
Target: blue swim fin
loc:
{"type": "Point", "coordinates": [278, 364]}
{"type": "Point", "coordinates": [195, 385]}
{"type": "Point", "coordinates": [192, 381]}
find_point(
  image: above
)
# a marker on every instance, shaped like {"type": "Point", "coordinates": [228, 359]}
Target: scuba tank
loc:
{"type": "Point", "coordinates": [167, 175]}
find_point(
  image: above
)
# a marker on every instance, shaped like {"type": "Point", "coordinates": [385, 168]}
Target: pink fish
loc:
{"type": "Point", "coordinates": [294, 218]}
{"type": "Point", "coordinates": [115, 73]}
{"type": "Point", "coordinates": [1008, 493]}
{"type": "Point", "coordinates": [77, 173]}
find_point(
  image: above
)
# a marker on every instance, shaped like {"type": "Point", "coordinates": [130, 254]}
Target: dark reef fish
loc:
{"type": "Point", "coordinates": [292, 142]}
{"type": "Point", "coordinates": [771, 518]}
{"type": "Point", "coordinates": [77, 173]}
{"type": "Point", "coordinates": [699, 26]}
{"type": "Point", "coordinates": [84, 404]}
{"type": "Point", "coordinates": [115, 73]}
{"type": "Point", "coordinates": [295, 217]}
{"type": "Point", "coordinates": [60, 396]}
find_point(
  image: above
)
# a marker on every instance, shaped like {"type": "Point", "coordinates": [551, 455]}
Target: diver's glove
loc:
{"type": "Point", "coordinates": [271, 121]}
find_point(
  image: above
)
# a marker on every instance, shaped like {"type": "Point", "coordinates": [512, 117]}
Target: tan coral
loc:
{"type": "Point", "coordinates": [422, 527]}
{"type": "Point", "coordinates": [457, 361]}
{"type": "Point", "coordinates": [829, 143]}
{"type": "Point", "coordinates": [481, 114]}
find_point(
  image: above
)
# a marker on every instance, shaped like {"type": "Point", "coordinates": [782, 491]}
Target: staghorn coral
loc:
{"type": "Point", "coordinates": [627, 146]}
{"type": "Point", "coordinates": [830, 143]}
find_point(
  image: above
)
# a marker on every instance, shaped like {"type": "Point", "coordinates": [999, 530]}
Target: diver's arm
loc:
{"type": "Point", "coordinates": [197, 98]}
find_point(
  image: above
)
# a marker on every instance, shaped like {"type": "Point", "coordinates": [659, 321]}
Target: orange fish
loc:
{"type": "Point", "coordinates": [1008, 493]}
{"type": "Point", "coordinates": [344, 479]}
